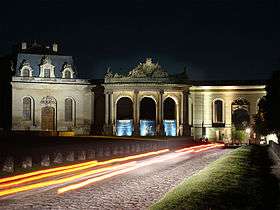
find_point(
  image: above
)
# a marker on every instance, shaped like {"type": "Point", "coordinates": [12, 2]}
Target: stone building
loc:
{"type": "Point", "coordinates": [147, 101]}
{"type": "Point", "coordinates": [46, 94]}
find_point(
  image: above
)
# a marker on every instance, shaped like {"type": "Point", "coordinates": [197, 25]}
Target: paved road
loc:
{"type": "Point", "coordinates": [137, 189]}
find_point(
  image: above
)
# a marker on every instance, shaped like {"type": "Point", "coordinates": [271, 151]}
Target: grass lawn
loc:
{"type": "Point", "coordinates": [238, 180]}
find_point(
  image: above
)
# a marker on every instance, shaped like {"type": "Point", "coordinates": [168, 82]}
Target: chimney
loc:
{"type": "Point", "coordinates": [55, 47]}
{"type": "Point", "coordinates": [23, 46]}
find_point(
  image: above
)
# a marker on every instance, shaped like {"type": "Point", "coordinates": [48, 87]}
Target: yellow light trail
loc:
{"type": "Point", "coordinates": [115, 173]}
{"type": "Point", "coordinates": [61, 181]}
{"type": "Point", "coordinates": [77, 168]}
{"type": "Point", "coordinates": [11, 178]}
{"type": "Point", "coordinates": [193, 147]}
{"type": "Point", "coordinates": [203, 149]}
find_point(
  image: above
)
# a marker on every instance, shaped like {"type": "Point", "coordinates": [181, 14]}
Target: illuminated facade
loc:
{"type": "Point", "coordinates": [46, 95]}
{"type": "Point", "coordinates": [147, 101]}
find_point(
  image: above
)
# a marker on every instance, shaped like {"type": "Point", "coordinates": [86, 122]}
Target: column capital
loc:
{"type": "Point", "coordinates": [161, 92]}
{"type": "Point", "coordinates": [136, 91]}
{"type": "Point", "coordinates": [108, 92]}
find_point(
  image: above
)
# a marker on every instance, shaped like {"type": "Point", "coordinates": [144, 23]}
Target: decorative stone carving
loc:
{"type": "Point", "coordinates": [67, 68]}
{"type": "Point", "coordinates": [148, 69]}
{"type": "Point", "coordinates": [46, 60]}
{"type": "Point", "coordinates": [25, 66]}
{"type": "Point", "coordinates": [48, 101]}
{"type": "Point", "coordinates": [147, 72]}
{"type": "Point", "coordinates": [109, 73]}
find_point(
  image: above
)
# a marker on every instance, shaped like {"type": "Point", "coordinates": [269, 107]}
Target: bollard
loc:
{"type": "Point", "coordinates": [82, 155]}
{"type": "Point", "coordinates": [45, 160]}
{"type": "Point", "coordinates": [127, 149]}
{"type": "Point", "coordinates": [107, 152]}
{"type": "Point", "coordinates": [58, 158]}
{"type": "Point", "coordinates": [27, 162]}
{"type": "Point", "coordinates": [138, 148]}
{"type": "Point", "coordinates": [70, 156]}
{"type": "Point", "coordinates": [91, 154]}
{"type": "Point", "coordinates": [9, 165]}
{"type": "Point", "coordinates": [100, 152]}
{"type": "Point", "coordinates": [115, 151]}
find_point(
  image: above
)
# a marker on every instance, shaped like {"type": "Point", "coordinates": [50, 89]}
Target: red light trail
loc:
{"type": "Point", "coordinates": [94, 174]}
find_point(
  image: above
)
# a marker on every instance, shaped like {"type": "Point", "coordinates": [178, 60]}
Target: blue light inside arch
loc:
{"type": "Point", "coordinates": [169, 127]}
{"type": "Point", "coordinates": [147, 128]}
{"type": "Point", "coordinates": [124, 128]}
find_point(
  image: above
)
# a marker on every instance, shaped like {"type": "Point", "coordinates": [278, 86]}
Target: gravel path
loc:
{"type": "Point", "coordinates": [135, 190]}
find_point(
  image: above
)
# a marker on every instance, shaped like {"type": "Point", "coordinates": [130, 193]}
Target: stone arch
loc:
{"type": "Point", "coordinates": [28, 110]}
{"type": "Point", "coordinates": [240, 113]}
{"type": "Point", "coordinates": [124, 116]}
{"type": "Point", "coordinates": [48, 113]}
{"type": "Point", "coordinates": [218, 110]}
{"type": "Point", "coordinates": [170, 116]}
{"type": "Point", "coordinates": [124, 109]}
{"type": "Point", "coordinates": [70, 110]}
{"type": "Point", "coordinates": [169, 108]}
{"type": "Point", "coordinates": [148, 112]}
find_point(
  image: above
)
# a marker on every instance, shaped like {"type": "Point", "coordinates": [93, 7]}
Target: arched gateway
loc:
{"type": "Point", "coordinates": [142, 102]}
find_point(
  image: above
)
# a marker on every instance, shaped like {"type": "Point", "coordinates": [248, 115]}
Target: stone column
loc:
{"type": "Point", "coordinates": [160, 114]}
{"type": "Point", "coordinates": [185, 131]}
{"type": "Point", "coordinates": [136, 113]}
{"type": "Point", "coordinates": [108, 123]}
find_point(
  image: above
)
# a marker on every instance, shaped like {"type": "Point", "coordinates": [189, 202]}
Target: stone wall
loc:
{"type": "Point", "coordinates": [19, 152]}
{"type": "Point", "coordinates": [202, 98]}
{"type": "Point", "coordinates": [82, 109]}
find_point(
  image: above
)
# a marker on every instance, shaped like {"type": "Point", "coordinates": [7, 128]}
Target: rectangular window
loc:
{"type": "Point", "coordinates": [47, 73]}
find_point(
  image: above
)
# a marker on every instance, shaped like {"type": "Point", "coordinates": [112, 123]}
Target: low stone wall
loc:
{"type": "Point", "coordinates": [275, 148]}
{"type": "Point", "coordinates": [22, 152]}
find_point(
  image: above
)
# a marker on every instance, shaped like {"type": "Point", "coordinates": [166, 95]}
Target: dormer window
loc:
{"type": "Point", "coordinates": [67, 74]}
{"type": "Point", "coordinates": [67, 71]}
{"type": "Point", "coordinates": [46, 68]}
{"type": "Point", "coordinates": [47, 73]}
{"type": "Point", "coordinates": [25, 69]}
{"type": "Point", "coordinates": [25, 73]}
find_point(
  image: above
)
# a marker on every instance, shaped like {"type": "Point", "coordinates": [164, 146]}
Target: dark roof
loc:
{"type": "Point", "coordinates": [35, 60]}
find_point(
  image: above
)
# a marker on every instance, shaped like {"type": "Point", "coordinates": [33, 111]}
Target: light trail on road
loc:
{"type": "Point", "coordinates": [139, 165]}
{"type": "Point", "coordinates": [61, 181]}
{"type": "Point", "coordinates": [98, 173]}
{"type": "Point", "coordinates": [76, 167]}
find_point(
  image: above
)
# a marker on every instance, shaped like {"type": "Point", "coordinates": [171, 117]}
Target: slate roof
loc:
{"type": "Point", "coordinates": [34, 60]}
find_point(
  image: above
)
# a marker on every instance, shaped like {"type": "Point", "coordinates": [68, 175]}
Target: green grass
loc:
{"type": "Point", "coordinates": [238, 180]}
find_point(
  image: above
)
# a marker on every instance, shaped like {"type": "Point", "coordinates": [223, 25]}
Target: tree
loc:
{"type": "Point", "coordinates": [267, 120]}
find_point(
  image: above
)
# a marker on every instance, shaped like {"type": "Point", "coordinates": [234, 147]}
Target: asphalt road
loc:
{"type": "Point", "coordinates": [135, 189]}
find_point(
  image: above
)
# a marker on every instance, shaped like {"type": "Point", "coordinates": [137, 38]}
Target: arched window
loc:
{"type": "Point", "coordinates": [67, 74]}
{"type": "Point", "coordinates": [26, 108]}
{"type": "Point", "coordinates": [218, 115]}
{"type": "Point", "coordinates": [25, 73]}
{"type": "Point", "coordinates": [68, 109]}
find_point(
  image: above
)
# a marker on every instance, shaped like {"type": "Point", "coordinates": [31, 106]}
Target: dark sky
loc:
{"type": "Point", "coordinates": [215, 39]}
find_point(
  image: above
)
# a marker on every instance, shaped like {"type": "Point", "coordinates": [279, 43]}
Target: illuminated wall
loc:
{"type": "Point", "coordinates": [203, 97]}
{"type": "Point", "coordinates": [147, 128]}
{"type": "Point", "coordinates": [124, 128]}
{"type": "Point", "coordinates": [170, 127]}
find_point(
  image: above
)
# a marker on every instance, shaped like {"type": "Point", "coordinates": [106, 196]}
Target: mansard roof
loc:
{"type": "Point", "coordinates": [34, 61]}
{"type": "Point", "coordinates": [147, 72]}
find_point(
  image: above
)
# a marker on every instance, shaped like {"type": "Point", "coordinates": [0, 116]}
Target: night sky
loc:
{"type": "Point", "coordinates": [214, 39]}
